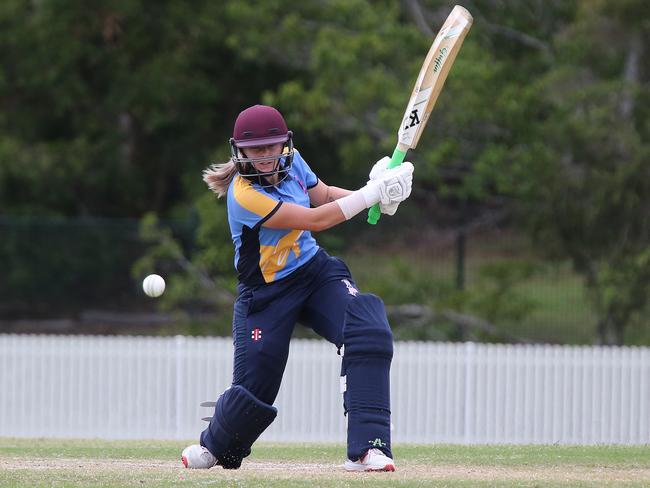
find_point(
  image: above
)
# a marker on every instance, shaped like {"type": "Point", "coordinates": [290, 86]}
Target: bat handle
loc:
{"type": "Point", "coordinates": [374, 213]}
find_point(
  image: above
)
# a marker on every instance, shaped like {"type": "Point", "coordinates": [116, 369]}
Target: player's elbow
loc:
{"type": "Point", "coordinates": [322, 221]}
{"type": "Point", "coordinates": [319, 225]}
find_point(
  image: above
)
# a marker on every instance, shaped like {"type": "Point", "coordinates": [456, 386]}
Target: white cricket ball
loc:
{"type": "Point", "coordinates": [153, 285]}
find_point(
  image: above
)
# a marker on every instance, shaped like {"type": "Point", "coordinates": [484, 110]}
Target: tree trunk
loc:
{"type": "Point", "coordinates": [631, 75]}
{"type": "Point", "coordinates": [610, 333]}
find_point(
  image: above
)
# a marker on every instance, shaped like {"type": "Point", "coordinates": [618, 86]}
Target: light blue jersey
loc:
{"type": "Point", "coordinates": [264, 255]}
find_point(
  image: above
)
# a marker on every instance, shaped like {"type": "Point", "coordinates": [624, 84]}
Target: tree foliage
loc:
{"type": "Point", "coordinates": [579, 174]}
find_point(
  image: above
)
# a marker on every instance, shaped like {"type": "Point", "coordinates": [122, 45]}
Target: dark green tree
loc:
{"type": "Point", "coordinates": [579, 173]}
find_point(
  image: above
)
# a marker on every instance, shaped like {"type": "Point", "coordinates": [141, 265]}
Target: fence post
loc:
{"type": "Point", "coordinates": [460, 260]}
{"type": "Point", "coordinates": [469, 413]}
{"type": "Point", "coordinates": [179, 346]}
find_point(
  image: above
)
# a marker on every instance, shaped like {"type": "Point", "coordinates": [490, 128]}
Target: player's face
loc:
{"type": "Point", "coordinates": [257, 152]}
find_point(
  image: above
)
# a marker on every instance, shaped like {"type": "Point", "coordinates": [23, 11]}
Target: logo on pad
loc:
{"type": "Point", "coordinates": [351, 289]}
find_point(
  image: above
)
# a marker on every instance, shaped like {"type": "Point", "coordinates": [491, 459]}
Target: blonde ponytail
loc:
{"type": "Point", "coordinates": [219, 176]}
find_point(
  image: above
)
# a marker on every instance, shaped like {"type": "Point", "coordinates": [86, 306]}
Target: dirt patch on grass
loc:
{"type": "Point", "coordinates": [297, 471]}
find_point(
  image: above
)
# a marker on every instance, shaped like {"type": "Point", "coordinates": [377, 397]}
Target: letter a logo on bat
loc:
{"type": "Point", "coordinates": [413, 119]}
{"type": "Point", "coordinates": [412, 122]}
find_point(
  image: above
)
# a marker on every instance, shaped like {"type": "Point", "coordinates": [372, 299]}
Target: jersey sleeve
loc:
{"type": "Point", "coordinates": [249, 205]}
{"type": "Point", "coordinates": [307, 174]}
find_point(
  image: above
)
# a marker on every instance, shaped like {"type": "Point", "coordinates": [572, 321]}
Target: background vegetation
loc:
{"type": "Point", "coordinates": [535, 167]}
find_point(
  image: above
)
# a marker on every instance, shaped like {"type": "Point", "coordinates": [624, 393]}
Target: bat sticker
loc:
{"type": "Point", "coordinates": [413, 116]}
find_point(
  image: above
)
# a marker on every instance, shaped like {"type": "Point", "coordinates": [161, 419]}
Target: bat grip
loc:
{"type": "Point", "coordinates": [374, 212]}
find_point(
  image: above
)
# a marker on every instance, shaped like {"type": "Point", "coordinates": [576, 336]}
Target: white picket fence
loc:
{"type": "Point", "coordinates": [150, 388]}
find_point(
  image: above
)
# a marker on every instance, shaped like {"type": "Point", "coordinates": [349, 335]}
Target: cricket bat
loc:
{"type": "Point", "coordinates": [427, 87]}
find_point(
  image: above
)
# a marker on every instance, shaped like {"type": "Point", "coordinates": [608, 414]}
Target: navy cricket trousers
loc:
{"type": "Point", "coordinates": [316, 294]}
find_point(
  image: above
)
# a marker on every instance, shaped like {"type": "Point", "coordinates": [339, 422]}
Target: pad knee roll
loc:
{"type": "Point", "coordinates": [366, 331]}
{"type": "Point", "coordinates": [239, 419]}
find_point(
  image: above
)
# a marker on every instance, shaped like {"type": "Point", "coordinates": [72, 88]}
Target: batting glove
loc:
{"type": "Point", "coordinates": [379, 169]}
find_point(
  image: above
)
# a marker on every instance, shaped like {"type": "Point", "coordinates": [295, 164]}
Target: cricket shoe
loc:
{"type": "Point", "coordinates": [197, 457]}
{"type": "Point", "coordinates": [373, 460]}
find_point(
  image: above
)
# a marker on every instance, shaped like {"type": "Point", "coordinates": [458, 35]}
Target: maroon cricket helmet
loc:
{"type": "Point", "coordinates": [260, 125]}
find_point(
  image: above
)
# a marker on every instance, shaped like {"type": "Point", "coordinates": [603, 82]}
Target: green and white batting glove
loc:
{"type": "Point", "coordinates": [379, 169]}
{"type": "Point", "coordinates": [388, 189]}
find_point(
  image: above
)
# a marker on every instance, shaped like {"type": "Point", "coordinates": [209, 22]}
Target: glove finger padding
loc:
{"type": "Point", "coordinates": [379, 168]}
{"type": "Point", "coordinates": [389, 209]}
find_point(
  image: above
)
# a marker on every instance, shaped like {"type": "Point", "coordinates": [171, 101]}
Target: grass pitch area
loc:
{"type": "Point", "coordinates": [76, 463]}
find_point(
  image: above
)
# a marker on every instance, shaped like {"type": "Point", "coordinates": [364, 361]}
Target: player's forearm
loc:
{"type": "Point", "coordinates": [394, 186]}
{"type": "Point", "coordinates": [334, 193]}
{"type": "Point", "coordinates": [292, 216]}
{"type": "Point", "coordinates": [345, 206]}
{"type": "Point", "coordinates": [322, 194]}
{"type": "Point", "coordinates": [325, 216]}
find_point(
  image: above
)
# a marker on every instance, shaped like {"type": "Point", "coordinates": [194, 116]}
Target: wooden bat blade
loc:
{"type": "Point", "coordinates": [433, 74]}
{"type": "Point", "coordinates": [427, 87]}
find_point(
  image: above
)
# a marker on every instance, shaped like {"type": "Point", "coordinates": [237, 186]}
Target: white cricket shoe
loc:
{"type": "Point", "coordinates": [374, 460]}
{"type": "Point", "coordinates": [197, 457]}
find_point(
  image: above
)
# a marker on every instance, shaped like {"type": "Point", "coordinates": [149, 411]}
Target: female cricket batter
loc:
{"type": "Point", "coordinates": [274, 201]}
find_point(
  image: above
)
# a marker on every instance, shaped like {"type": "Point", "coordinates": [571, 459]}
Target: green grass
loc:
{"type": "Point", "coordinates": [76, 463]}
